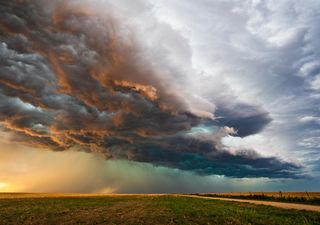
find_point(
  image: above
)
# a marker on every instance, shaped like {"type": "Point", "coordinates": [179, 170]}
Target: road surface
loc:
{"type": "Point", "coordinates": [275, 204]}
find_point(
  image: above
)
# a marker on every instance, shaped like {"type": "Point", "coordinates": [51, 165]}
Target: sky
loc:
{"type": "Point", "coordinates": [171, 96]}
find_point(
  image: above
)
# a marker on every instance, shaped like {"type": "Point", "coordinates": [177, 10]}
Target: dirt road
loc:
{"type": "Point", "coordinates": [275, 204]}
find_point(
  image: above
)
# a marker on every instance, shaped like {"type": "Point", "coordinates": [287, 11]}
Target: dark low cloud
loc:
{"type": "Point", "coordinates": [203, 158]}
{"type": "Point", "coordinates": [246, 119]}
{"type": "Point", "coordinates": [72, 77]}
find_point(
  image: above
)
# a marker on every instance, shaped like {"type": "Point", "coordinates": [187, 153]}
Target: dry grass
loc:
{"type": "Point", "coordinates": [271, 194]}
{"type": "Point", "coordinates": [9, 195]}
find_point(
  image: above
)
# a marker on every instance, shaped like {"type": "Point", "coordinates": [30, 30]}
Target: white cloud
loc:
{"type": "Point", "coordinates": [307, 68]}
{"type": "Point", "coordinates": [315, 83]}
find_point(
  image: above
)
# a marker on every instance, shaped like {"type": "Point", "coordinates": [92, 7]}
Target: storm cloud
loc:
{"type": "Point", "coordinates": [74, 76]}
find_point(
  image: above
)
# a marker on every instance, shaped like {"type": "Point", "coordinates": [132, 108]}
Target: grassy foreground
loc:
{"type": "Point", "coordinates": [143, 210]}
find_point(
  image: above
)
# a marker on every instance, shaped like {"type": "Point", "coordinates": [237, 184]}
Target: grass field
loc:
{"type": "Point", "coordinates": [136, 209]}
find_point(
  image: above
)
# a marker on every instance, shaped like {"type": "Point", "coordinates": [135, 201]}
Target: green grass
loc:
{"type": "Point", "coordinates": [145, 210]}
{"type": "Point", "coordinates": [262, 197]}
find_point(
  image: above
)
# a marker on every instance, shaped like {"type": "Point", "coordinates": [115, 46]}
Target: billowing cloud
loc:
{"type": "Point", "coordinates": [75, 76]}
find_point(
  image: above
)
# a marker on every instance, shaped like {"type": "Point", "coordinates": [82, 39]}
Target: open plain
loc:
{"type": "Point", "coordinates": [141, 209]}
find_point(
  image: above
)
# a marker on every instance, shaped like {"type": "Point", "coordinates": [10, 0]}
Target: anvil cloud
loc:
{"type": "Point", "coordinates": [92, 76]}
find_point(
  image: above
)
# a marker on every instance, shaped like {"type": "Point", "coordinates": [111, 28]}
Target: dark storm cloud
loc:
{"type": "Point", "coordinates": [203, 158]}
{"type": "Point", "coordinates": [72, 77]}
{"type": "Point", "coordinates": [246, 119]}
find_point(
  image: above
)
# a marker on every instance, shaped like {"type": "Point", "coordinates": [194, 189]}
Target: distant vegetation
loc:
{"type": "Point", "coordinates": [156, 209]}
{"type": "Point", "coordinates": [312, 198]}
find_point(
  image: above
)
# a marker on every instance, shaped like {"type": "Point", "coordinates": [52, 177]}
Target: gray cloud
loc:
{"type": "Point", "coordinates": [246, 119]}
{"type": "Point", "coordinates": [72, 77]}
